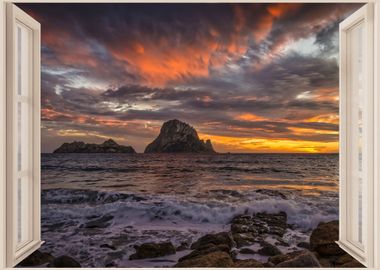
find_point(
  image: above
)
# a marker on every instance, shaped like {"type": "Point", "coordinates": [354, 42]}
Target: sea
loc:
{"type": "Point", "coordinates": [97, 207]}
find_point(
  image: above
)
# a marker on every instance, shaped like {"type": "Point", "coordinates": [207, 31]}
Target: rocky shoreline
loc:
{"type": "Point", "coordinates": [248, 235]}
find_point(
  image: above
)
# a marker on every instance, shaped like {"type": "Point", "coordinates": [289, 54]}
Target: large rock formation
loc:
{"type": "Point", "coordinates": [178, 137]}
{"type": "Point", "coordinates": [109, 146]}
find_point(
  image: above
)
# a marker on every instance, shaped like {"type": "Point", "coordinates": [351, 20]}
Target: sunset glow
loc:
{"type": "Point", "coordinates": [250, 77]}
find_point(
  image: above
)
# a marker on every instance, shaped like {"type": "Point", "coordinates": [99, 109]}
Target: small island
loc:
{"type": "Point", "coordinates": [109, 146]}
{"type": "Point", "coordinates": [179, 137]}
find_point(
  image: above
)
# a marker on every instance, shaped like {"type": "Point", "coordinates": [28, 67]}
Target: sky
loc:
{"type": "Point", "coordinates": [250, 77]}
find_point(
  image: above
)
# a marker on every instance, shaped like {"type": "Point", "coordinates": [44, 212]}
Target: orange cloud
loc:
{"type": "Point", "coordinates": [250, 117]}
{"type": "Point", "coordinates": [265, 145]}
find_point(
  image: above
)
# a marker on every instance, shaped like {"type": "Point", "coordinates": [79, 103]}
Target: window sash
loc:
{"type": "Point", "coordinates": [23, 229]}
{"type": "Point", "coordinates": [356, 220]}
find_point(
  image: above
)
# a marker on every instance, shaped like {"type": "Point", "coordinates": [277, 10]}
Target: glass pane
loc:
{"type": "Point", "coordinates": [356, 136]}
{"type": "Point", "coordinates": [23, 134]}
{"type": "Point", "coordinates": [23, 60]}
{"type": "Point", "coordinates": [23, 209]}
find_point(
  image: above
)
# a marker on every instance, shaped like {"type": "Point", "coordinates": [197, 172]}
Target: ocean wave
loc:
{"type": "Point", "coordinates": [217, 207]}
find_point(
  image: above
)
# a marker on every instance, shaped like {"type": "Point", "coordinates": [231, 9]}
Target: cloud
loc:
{"type": "Point", "coordinates": [237, 72]}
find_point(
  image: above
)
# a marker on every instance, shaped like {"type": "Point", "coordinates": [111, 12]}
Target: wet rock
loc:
{"type": "Point", "coordinates": [306, 259]}
{"type": "Point", "coordinates": [213, 259]}
{"type": "Point", "coordinates": [182, 246]}
{"type": "Point", "coordinates": [260, 223]}
{"type": "Point", "coordinates": [247, 251]}
{"type": "Point", "coordinates": [153, 250]}
{"type": "Point", "coordinates": [304, 245]}
{"type": "Point", "coordinates": [243, 239]}
{"type": "Point", "coordinates": [107, 246]}
{"type": "Point", "coordinates": [247, 263]}
{"type": "Point", "coordinates": [206, 249]}
{"type": "Point", "coordinates": [248, 224]}
{"type": "Point", "coordinates": [102, 222]}
{"type": "Point", "coordinates": [323, 238]}
{"type": "Point", "coordinates": [325, 262]}
{"type": "Point", "coordinates": [353, 264]}
{"type": "Point", "coordinates": [268, 264]}
{"type": "Point", "coordinates": [222, 238]}
{"type": "Point", "coordinates": [268, 249]}
{"type": "Point", "coordinates": [63, 262]}
{"type": "Point", "coordinates": [284, 257]}
{"type": "Point", "coordinates": [37, 258]}
{"type": "Point", "coordinates": [344, 259]}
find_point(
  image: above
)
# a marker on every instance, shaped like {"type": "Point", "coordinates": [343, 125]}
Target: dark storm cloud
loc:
{"type": "Point", "coordinates": [114, 69]}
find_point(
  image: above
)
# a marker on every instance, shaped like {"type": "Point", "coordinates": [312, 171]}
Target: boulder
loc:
{"type": "Point", "coordinates": [353, 264]}
{"type": "Point", "coordinates": [284, 257]}
{"type": "Point", "coordinates": [268, 250]}
{"type": "Point", "coordinates": [243, 239]}
{"type": "Point", "coordinates": [37, 258]}
{"type": "Point", "coordinates": [323, 238]}
{"type": "Point", "coordinates": [306, 259]}
{"type": "Point", "coordinates": [178, 137]}
{"type": "Point", "coordinates": [64, 262]}
{"type": "Point", "coordinates": [260, 223]}
{"type": "Point", "coordinates": [206, 249]}
{"type": "Point", "coordinates": [109, 146]}
{"type": "Point", "coordinates": [222, 238]}
{"type": "Point", "coordinates": [247, 251]}
{"type": "Point", "coordinates": [153, 250]}
{"type": "Point", "coordinates": [247, 263]}
{"type": "Point", "coordinates": [213, 259]}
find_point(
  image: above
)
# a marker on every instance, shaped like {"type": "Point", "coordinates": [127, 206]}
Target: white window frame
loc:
{"type": "Point", "coordinates": [363, 252]}
{"type": "Point", "coordinates": [374, 262]}
{"type": "Point", "coordinates": [31, 217]}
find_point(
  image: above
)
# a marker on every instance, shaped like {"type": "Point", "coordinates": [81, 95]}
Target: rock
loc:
{"type": "Point", "coordinates": [206, 249]}
{"type": "Point", "coordinates": [37, 258]}
{"type": "Point", "coordinates": [213, 259]}
{"type": "Point", "coordinates": [284, 257]}
{"type": "Point", "coordinates": [304, 245]}
{"type": "Point", "coordinates": [153, 250]}
{"type": "Point", "coordinates": [306, 259]}
{"type": "Point", "coordinates": [247, 263]}
{"type": "Point", "coordinates": [182, 246]}
{"type": "Point", "coordinates": [108, 246]}
{"type": "Point", "coordinates": [268, 264]}
{"type": "Point", "coordinates": [323, 238]}
{"type": "Point", "coordinates": [63, 262]}
{"type": "Point", "coordinates": [353, 264]}
{"type": "Point", "coordinates": [325, 262]}
{"type": "Point", "coordinates": [102, 222]}
{"type": "Point", "coordinates": [222, 238]}
{"type": "Point", "coordinates": [247, 251]}
{"type": "Point", "coordinates": [344, 259]}
{"type": "Point", "coordinates": [268, 250]}
{"type": "Point", "coordinates": [109, 146]}
{"type": "Point", "coordinates": [178, 137]}
{"type": "Point", "coordinates": [243, 239]}
{"type": "Point", "coordinates": [260, 223]}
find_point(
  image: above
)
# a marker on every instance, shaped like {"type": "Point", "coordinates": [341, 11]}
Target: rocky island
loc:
{"type": "Point", "coordinates": [179, 137]}
{"type": "Point", "coordinates": [109, 146]}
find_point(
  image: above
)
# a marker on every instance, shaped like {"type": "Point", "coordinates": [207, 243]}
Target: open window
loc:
{"type": "Point", "coordinates": [23, 135]}
{"type": "Point", "coordinates": [356, 135]}
{"type": "Point", "coordinates": [357, 140]}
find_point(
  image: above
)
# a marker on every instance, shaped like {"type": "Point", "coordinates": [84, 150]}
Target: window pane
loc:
{"type": "Point", "coordinates": [23, 210]}
{"type": "Point", "coordinates": [356, 136]}
{"type": "Point", "coordinates": [23, 135]}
